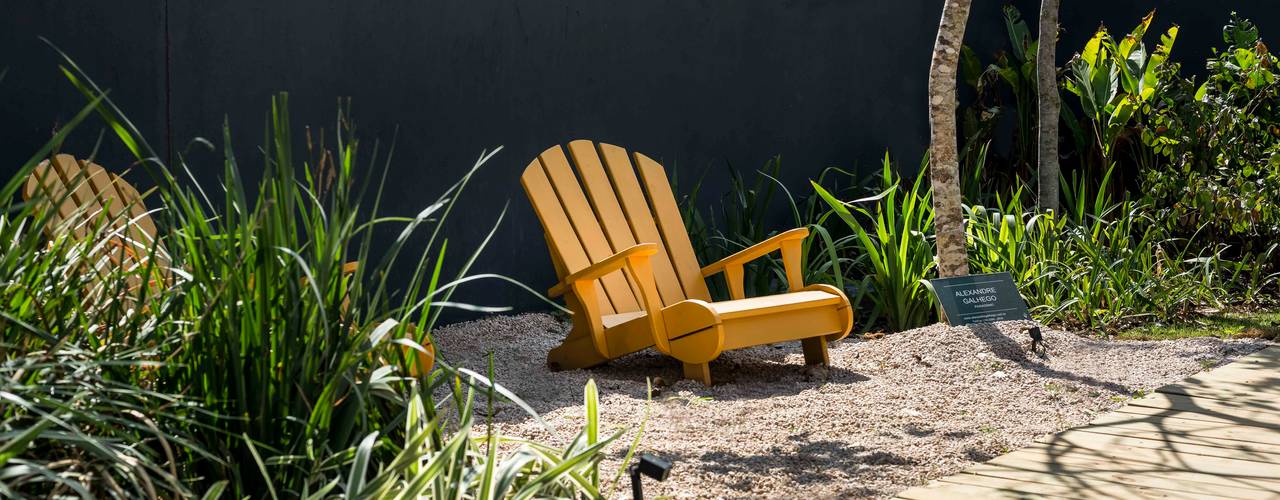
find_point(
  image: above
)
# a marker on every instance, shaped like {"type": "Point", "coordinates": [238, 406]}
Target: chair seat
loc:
{"type": "Point", "coordinates": [612, 320]}
{"type": "Point", "coordinates": [743, 308]}
{"type": "Point", "coordinates": [771, 304]}
{"type": "Point", "coordinates": [632, 326]}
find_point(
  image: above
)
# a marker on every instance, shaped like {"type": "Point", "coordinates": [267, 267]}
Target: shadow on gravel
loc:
{"type": "Point", "coordinates": [757, 373]}
{"type": "Point", "coordinates": [1010, 349]}
{"type": "Point", "coordinates": [801, 460]}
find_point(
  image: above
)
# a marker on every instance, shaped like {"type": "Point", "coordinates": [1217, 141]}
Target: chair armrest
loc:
{"type": "Point", "coordinates": [756, 251]}
{"type": "Point", "coordinates": [635, 259]}
{"type": "Point", "coordinates": [599, 269]}
{"type": "Point", "coordinates": [787, 241]}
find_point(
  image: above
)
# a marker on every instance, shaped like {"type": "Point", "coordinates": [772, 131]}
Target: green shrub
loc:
{"type": "Point", "coordinates": [1116, 82]}
{"type": "Point", "coordinates": [1218, 144]}
{"type": "Point", "coordinates": [1098, 265]}
{"type": "Point", "coordinates": [897, 245]}
{"type": "Point", "coordinates": [1010, 237]}
{"type": "Point", "coordinates": [79, 413]}
{"type": "Point", "coordinates": [744, 217]}
{"type": "Point", "coordinates": [279, 335]}
{"type": "Point", "coordinates": [436, 460]}
{"type": "Point", "coordinates": [1011, 72]}
{"type": "Point", "coordinates": [254, 365]}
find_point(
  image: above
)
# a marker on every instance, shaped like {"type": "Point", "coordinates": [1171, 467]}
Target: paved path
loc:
{"type": "Point", "coordinates": [1215, 435]}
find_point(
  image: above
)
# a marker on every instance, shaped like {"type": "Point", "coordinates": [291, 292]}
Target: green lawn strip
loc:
{"type": "Point", "coordinates": [1253, 324]}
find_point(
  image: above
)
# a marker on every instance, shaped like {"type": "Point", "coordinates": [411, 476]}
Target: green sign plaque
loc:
{"type": "Point", "coordinates": [979, 298]}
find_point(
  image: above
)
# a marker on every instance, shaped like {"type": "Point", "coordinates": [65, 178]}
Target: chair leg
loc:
{"type": "Point", "coordinates": [700, 372]}
{"type": "Point", "coordinates": [575, 352]}
{"type": "Point", "coordinates": [815, 351]}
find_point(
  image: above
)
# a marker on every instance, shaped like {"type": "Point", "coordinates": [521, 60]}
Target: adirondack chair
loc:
{"type": "Point", "coordinates": [628, 272]}
{"type": "Point", "coordinates": [85, 194]}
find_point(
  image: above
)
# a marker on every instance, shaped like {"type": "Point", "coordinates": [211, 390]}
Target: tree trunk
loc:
{"type": "Point", "coordinates": [1050, 104]}
{"type": "Point", "coordinates": [944, 164]}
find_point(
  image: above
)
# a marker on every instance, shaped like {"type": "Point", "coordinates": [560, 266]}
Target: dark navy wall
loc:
{"type": "Point", "coordinates": [122, 48]}
{"type": "Point", "coordinates": [694, 83]}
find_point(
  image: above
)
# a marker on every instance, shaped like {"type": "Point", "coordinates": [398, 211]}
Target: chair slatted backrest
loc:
{"type": "Point", "coordinates": [83, 194]}
{"type": "Point", "coordinates": [601, 207]}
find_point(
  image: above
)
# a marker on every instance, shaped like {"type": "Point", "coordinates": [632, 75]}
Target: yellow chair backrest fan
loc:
{"type": "Point", "coordinates": [87, 201]}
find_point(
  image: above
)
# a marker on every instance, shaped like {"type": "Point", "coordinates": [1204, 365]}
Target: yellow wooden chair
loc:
{"type": "Point", "coordinates": [629, 274]}
{"type": "Point", "coordinates": [85, 193]}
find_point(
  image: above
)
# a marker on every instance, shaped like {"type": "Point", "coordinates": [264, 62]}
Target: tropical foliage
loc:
{"type": "Point", "coordinates": [1116, 82]}
{"type": "Point", "coordinates": [256, 363]}
{"type": "Point", "coordinates": [1165, 205]}
{"type": "Point", "coordinates": [275, 353]}
{"type": "Point", "coordinates": [1216, 143]}
{"type": "Point", "coordinates": [898, 250]}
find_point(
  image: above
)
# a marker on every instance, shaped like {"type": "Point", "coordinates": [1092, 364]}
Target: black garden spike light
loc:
{"type": "Point", "coordinates": [648, 465]}
{"type": "Point", "coordinates": [1037, 341]}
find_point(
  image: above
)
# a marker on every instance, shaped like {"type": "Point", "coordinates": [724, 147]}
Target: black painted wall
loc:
{"type": "Point", "coordinates": [693, 83]}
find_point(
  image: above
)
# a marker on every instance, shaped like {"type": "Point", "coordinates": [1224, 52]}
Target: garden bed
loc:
{"type": "Point", "coordinates": [888, 414]}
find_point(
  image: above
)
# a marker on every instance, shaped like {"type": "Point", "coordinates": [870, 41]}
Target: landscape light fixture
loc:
{"type": "Point", "coordinates": [648, 465]}
{"type": "Point", "coordinates": [1037, 341]}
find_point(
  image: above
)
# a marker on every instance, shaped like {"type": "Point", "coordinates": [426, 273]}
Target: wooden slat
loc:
{"type": "Point", "coordinates": [1263, 390]}
{"type": "Point", "coordinates": [118, 211]}
{"type": "Point", "coordinates": [1224, 449]}
{"type": "Point", "coordinates": [780, 326]}
{"type": "Point", "coordinates": [47, 182]}
{"type": "Point", "coordinates": [586, 226]}
{"type": "Point", "coordinates": [1078, 485]}
{"type": "Point", "coordinates": [773, 304]}
{"type": "Point", "coordinates": [667, 213]}
{"type": "Point", "coordinates": [556, 224]}
{"type": "Point", "coordinates": [1137, 462]}
{"type": "Point", "coordinates": [132, 201]}
{"type": "Point", "coordinates": [1069, 468]}
{"type": "Point", "coordinates": [603, 200]}
{"type": "Point", "coordinates": [142, 226]}
{"type": "Point", "coordinates": [940, 489]}
{"type": "Point", "coordinates": [1254, 378]}
{"type": "Point", "coordinates": [1183, 438]}
{"type": "Point", "coordinates": [68, 170]}
{"type": "Point", "coordinates": [138, 216]}
{"type": "Point", "coordinates": [1200, 429]}
{"type": "Point", "coordinates": [105, 194]}
{"type": "Point", "coordinates": [640, 220]}
{"type": "Point", "coordinates": [109, 215]}
{"type": "Point", "coordinates": [1108, 476]}
{"type": "Point", "coordinates": [1259, 411]}
{"type": "Point", "coordinates": [86, 204]}
{"type": "Point", "coordinates": [34, 186]}
{"type": "Point", "coordinates": [1258, 420]}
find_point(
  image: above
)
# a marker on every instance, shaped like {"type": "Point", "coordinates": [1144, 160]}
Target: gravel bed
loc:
{"type": "Point", "coordinates": [887, 415]}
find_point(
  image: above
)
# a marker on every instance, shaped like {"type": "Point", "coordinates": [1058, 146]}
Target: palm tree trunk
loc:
{"type": "Point", "coordinates": [944, 164]}
{"type": "Point", "coordinates": [1050, 104]}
